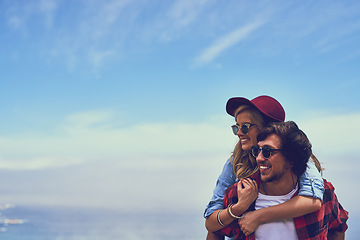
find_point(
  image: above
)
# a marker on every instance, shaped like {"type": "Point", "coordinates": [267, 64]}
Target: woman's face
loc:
{"type": "Point", "coordinates": [247, 140]}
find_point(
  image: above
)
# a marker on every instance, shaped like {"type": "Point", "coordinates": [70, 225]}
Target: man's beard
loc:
{"type": "Point", "coordinates": [277, 176]}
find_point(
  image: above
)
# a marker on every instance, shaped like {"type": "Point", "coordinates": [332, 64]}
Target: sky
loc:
{"type": "Point", "coordinates": [110, 103]}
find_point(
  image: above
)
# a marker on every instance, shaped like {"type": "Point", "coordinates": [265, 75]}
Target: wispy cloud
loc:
{"type": "Point", "coordinates": [103, 17]}
{"type": "Point", "coordinates": [324, 27]}
{"type": "Point", "coordinates": [90, 37]}
{"type": "Point", "coordinates": [95, 135]}
{"type": "Point", "coordinates": [183, 12]}
{"type": "Point", "coordinates": [48, 8]}
{"type": "Point", "coordinates": [226, 42]}
{"type": "Point", "coordinates": [89, 136]}
{"type": "Point", "coordinates": [20, 16]}
{"type": "Point", "coordinates": [181, 15]}
{"type": "Point", "coordinates": [95, 37]}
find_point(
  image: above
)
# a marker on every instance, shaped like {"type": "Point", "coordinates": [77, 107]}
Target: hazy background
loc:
{"type": "Point", "coordinates": [121, 104]}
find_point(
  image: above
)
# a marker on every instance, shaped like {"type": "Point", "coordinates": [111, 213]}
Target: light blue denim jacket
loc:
{"type": "Point", "coordinates": [311, 185]}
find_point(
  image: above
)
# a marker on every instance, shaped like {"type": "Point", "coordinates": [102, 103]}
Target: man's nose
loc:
{"type": "Point", "coordinates": [260, 158]}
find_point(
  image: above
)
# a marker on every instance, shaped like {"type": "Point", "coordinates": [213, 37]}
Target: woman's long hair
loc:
{"type": "Point", "coordinates": [317, 163]}
{"type": "Point", "coordinates": [244, 164]}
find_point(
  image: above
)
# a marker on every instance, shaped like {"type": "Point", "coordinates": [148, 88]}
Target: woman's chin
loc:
{"type": "Point", "coordinates": [246, 146]}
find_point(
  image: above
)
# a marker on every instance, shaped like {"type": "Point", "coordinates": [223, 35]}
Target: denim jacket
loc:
{"type": "Point", "coordinates": [311, 185]}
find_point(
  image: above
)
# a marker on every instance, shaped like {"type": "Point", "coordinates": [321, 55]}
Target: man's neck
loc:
{"type": "Point", "coordinates": [279, 187]}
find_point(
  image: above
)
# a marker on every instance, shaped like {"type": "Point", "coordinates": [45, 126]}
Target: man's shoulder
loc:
{"type": "Point", "coordinates": [329, 192]}
{"type": "Point", "coordinates": [328, 185]}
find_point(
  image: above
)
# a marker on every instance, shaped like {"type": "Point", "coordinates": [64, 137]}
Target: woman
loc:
{"type": "Point", "coordinates": [250, 117]}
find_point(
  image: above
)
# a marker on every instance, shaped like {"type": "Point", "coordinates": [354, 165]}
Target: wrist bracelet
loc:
{"type": "Point", "coordinates": [218, 218]}
{"type": "Point", "coordinates": [231, 214]}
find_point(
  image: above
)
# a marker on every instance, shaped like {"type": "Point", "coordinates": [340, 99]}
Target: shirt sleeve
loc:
{"type": "Point", "coordinates": [338, 215]}
{"type": "Point", "coordinates": [226, 179]}
{"type": "Point", "coordinates": [311, 182]}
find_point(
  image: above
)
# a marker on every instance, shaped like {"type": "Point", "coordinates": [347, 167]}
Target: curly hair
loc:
{"type": "Point", "coordinates": [295, 145]}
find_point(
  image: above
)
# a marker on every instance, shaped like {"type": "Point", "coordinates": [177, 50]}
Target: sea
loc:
{"type": "Point", "coordinates": [70, 223]}
{"type": "Point", "coordinates": [65, 223]}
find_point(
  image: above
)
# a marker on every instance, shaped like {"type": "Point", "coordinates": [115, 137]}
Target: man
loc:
{"type": "Point", "coordinates": [282, 154]}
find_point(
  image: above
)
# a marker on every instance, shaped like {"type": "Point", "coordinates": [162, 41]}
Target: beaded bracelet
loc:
{"type": "Point", "coordinates": [218, 218]}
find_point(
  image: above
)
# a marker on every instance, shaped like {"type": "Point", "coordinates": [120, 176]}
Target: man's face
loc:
{"type": "Point", "coordinates": [275, 167]}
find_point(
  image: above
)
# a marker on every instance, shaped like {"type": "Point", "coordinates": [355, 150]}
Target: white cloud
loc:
{"type": "Point", "coordinates": [226, 42]}
{"type": "Point", "coordinates": [96, 135]}
{"type": "Point", "coordinates": [91, 153]}
{"type": "Point", "coordinates": [38, 163]}
{"type": "Point", "coordinates": [333, 133]}
{"type": "Point", "coordinates": [335, 140]}
{"type": "Point", "coordinates": [88, 118]}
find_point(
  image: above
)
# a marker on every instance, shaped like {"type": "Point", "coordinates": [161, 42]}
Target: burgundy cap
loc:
{"type": "Point", "coordinates": [267, 105]}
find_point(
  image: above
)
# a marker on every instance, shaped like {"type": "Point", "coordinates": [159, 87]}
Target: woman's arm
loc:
{"type": "Point", "coordinates": [225, 180]}
{"type": "Point", "coordinates": [247, 191]}
{"type": "Point", "coordinates": [213, 236]}
{"type": "Point", "coordinates": [311, 183]}
{"type": "Point", "coordinates": [308, 200]}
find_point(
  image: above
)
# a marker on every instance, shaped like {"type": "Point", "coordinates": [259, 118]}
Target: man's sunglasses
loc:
{"type": "Point", "coordinates": [244, 128]}
{"type": "Point", "coordinates": [266, 151]}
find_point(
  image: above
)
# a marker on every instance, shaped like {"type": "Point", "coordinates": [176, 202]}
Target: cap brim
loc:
{"type": "Point", "coordinates": [233, 103]}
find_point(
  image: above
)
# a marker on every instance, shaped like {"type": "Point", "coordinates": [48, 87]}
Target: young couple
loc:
{"type": "Point", "coordinates": [270, 171]}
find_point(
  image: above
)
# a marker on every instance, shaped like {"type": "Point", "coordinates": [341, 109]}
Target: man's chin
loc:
{"type": "Point", "coordinates": [267, 179]}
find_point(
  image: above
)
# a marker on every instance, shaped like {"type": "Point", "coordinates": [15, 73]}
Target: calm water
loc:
{"type": "Point", "coordinates": [95, 224]}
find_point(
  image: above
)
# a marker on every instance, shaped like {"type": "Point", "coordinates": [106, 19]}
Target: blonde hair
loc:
{"type": "Point", "coordinates": [317, 163]}
{"type": "Point", "coordinates": [244, 164]}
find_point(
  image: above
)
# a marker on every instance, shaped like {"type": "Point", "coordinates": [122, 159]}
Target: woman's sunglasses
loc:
{"type": "Point", "coordinates": [266, 151]}
{"type": "Point", "coordinates": [244, 128]}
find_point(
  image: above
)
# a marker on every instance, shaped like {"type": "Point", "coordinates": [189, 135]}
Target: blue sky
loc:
{"type": "Point", "coordinates": [103, 96]}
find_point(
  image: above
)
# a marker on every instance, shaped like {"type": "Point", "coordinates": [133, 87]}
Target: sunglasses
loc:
{"type": "Point", "coordinates": [266, 151]}
{"type": "Point", "coordinates": [244, 128]}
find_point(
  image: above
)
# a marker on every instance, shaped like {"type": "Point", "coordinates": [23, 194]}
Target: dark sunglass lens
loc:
{"type": "Point", "coordinates": [244, 128]}
{"type": "Point", "coordinates": [266, 152]}
{"type": "Point", "coordinates": [255, 151]}
{"type": "Point", "coordinates": [235, 129]}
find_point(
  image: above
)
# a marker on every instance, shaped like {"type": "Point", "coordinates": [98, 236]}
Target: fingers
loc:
{"type": "Point", "coordinates": [248, 182]}
{"type": "Point", "coordinates": [256, 185]}
{"type": "Point", "coordinates": [239, 185]}
{"type": "Point", "coordinates": [246, 232]}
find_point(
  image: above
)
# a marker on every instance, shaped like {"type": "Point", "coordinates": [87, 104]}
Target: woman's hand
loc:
{"type": "Point", "coordinates": [247, 190]}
